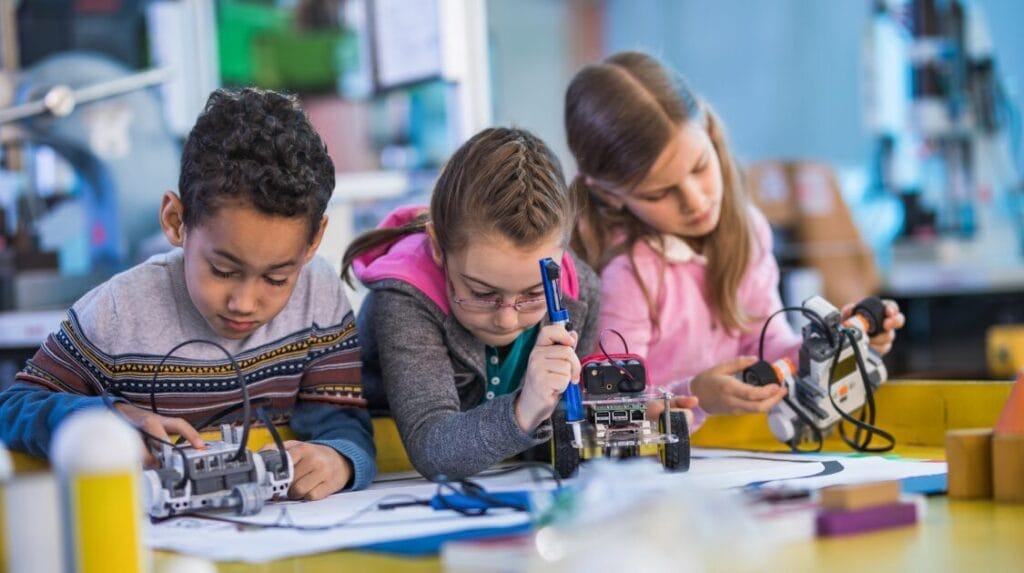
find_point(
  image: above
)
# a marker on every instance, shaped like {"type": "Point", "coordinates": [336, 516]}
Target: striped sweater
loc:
{"type": "Point", "coordinates": [303, 365]}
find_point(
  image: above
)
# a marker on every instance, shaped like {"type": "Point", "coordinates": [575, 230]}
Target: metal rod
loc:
{"type": "Point", "coordinates": [87, 94]}
{"type": "Point", "coordinates": [22, 111]}
{"type": "Point", "coordinates": [668, 416]}
{"type": "Point", "coordinates": [124, 85]}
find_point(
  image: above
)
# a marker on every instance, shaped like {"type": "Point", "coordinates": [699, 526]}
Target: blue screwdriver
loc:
{"type": "Point", "coordinates": [550, 273]}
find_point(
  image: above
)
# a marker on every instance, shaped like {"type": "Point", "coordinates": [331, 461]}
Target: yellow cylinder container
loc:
{"type": "Point", "coordinates": [97, 457]}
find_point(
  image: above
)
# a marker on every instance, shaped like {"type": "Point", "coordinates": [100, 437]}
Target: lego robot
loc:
{"type": "Point", "coordinates": [222, 476]}
{"type": "Point", "coordinates": [616, 420]}
{"type": "Point", "coordinates": [837, 375]}
{"type": "Point", "coordinates": [606, 414]}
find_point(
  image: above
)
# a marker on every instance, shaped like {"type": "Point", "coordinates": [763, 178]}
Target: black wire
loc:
{"type": "Point", "coordinates": [866, 423]}
{"type": "Point", "coordinates": [867, 413]}
{"type": "Point", "coordinates": [600, 341]}
{"type": "Point", "coordinates": [262, 414]}
{"type": "Point", "coordinates": [246, 406]}
{"type": "Point", "coordinates": [527, 465]}
{"type": "Point", "coordinates": [150, 438]}
{"type": "Point", "coordinates": [617, 363]}
{"type": "Point", "coordinates": [284, 520]}
{"type": "Point", "coordinates": [176, 448]}
{"type": "Point", "coordinates": [820, 321]}
{"type": "Point", "coordinates": [811, 315]}
{"type": "Point", "coordinates": [475, 491]}
{"type": "Point", "coordinates": [469, 488]}
{"type": "Point", "coordinates": [218, 416]}
{"type": "Point", "coordinates": [869, 407]}
{"type": "Point", "coordinates": [105, 396]}
{"type": "Point", "coordinates": [819, 439]}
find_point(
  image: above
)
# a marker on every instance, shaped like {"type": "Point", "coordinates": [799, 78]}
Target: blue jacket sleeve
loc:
{"type": "Point", "coordinates": [347, 430]}
{"type": "Point", "coordinates": [30, 414]}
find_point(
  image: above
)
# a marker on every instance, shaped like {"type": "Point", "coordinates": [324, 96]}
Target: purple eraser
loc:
{"type": "Point", "coordinates": [867, 519]}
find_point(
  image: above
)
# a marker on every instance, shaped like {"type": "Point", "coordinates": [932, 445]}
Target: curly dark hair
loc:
{"type": "Point", "coordinates": [256, 146]}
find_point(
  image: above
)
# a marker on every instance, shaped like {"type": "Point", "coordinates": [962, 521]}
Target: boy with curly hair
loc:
{"type": "Point", "coordinates": [255, 180]}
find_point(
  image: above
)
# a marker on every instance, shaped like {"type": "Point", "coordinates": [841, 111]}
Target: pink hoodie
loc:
{"type": "Point", "coordinates": [409, 259]}
{"type": "Point", "coordinates": [690, 340]}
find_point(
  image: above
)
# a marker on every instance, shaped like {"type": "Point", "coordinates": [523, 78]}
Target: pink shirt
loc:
{"type": "Point", "coordinates": [690, 340]}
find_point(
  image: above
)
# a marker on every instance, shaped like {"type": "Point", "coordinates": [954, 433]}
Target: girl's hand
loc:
{"type": "Point", "coordinates": [656, 407]}
{"type": "Point", "coordinates": [894, 320]}
{"type": "Point", "coordinates": [553, 363]}
{"type": "Point", "coordinates": [319, 470]}
{"type": "Point", "coordinates": [159, 427]}
{"type": "Point", "coordinates": [720, 392]}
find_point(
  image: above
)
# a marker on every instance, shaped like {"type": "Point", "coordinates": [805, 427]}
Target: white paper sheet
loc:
{"type": "Point", "coordinates": [733, 468]}
{"type": "Point", "coordinates": [226, 542]}
{"type": "Point", "coordinates": [709, 468]}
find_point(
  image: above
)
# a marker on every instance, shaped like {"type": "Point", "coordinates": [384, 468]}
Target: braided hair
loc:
{"type": "Point", "coordinates": [503, 181]}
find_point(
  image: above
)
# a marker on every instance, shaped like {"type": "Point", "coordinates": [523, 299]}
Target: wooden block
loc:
{"type": "Point", "coordinates": [1008, 467]}
{"type": "Point", "coordinates": [859, 496]}
{"type": "Point", "coordinates": [969, 457]}
{"type": "Point", "coordinates": [866, 519]}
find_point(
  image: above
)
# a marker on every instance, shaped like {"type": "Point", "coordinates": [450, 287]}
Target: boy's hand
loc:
{"type": "Point", "coordinates": [656, 407]}
{"type": "Point", "coordinates": [553, 363]}
{"type": "Point", "coordinates": [159, 427]}
{"type": "Point", "coordinates": [318, 470]}
{"type": "Point", "coordinates": [720, 392]}
{"type": "Point", "coordinates": [894, 320]}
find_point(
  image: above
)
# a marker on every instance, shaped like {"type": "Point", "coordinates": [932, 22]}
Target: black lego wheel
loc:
{"type": "Point", "coordinates": [676, 457]}
{"type": "Point", "coordinates": [564, 457]}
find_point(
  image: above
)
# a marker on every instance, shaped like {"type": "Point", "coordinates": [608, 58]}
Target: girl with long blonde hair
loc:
{"type": "Point", "coordinates": [685, 258]}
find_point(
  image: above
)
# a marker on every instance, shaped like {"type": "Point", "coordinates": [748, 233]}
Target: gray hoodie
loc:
{"type": "Point", "coordinates": [432, 371]}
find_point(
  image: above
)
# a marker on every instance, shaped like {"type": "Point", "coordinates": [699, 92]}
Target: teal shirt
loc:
{"type": "Point", "coordinates": [504, 376]}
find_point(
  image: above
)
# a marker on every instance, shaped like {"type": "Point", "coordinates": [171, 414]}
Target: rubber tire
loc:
{"type": "Point", "coordinates": [873, 310]}
{"type": "Point", "coordinates": [564, 457]}
{"type": "Point", "coordinates": [676, 457]}
{"type": "Point", "coordinates": [760, 373]}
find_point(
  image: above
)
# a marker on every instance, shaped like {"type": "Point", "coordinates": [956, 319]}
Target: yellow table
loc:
{"type": "Point", "coordinates": [951, 536]}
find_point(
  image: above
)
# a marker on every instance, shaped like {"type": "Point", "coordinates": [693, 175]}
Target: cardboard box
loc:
{"type": "Point", "coordinates": [804, 198]}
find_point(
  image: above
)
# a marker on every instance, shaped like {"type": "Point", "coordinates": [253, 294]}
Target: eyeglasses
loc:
{"type": "Point", "coordinates": [482, 305]}
{"type": "Point", "coordinates": [496, 304]}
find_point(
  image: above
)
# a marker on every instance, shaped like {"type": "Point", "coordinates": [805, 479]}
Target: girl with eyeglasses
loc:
{"type": "Point", "coordinates": [453, 328]}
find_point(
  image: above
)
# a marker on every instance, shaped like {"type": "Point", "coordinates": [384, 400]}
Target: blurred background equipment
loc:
{"type": "Point", "coordinates": [948, 144]}
{"type": "Point", "coordinates": [96, 158]}
{"type": "Point", "coordinates": [814, 229]}
{"type": "Point", "coordinates": [97, 96]}
{"type": "Point", "coordinates": [947, 134]}
{"type": "Point", "coordinates": [84, 157]}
